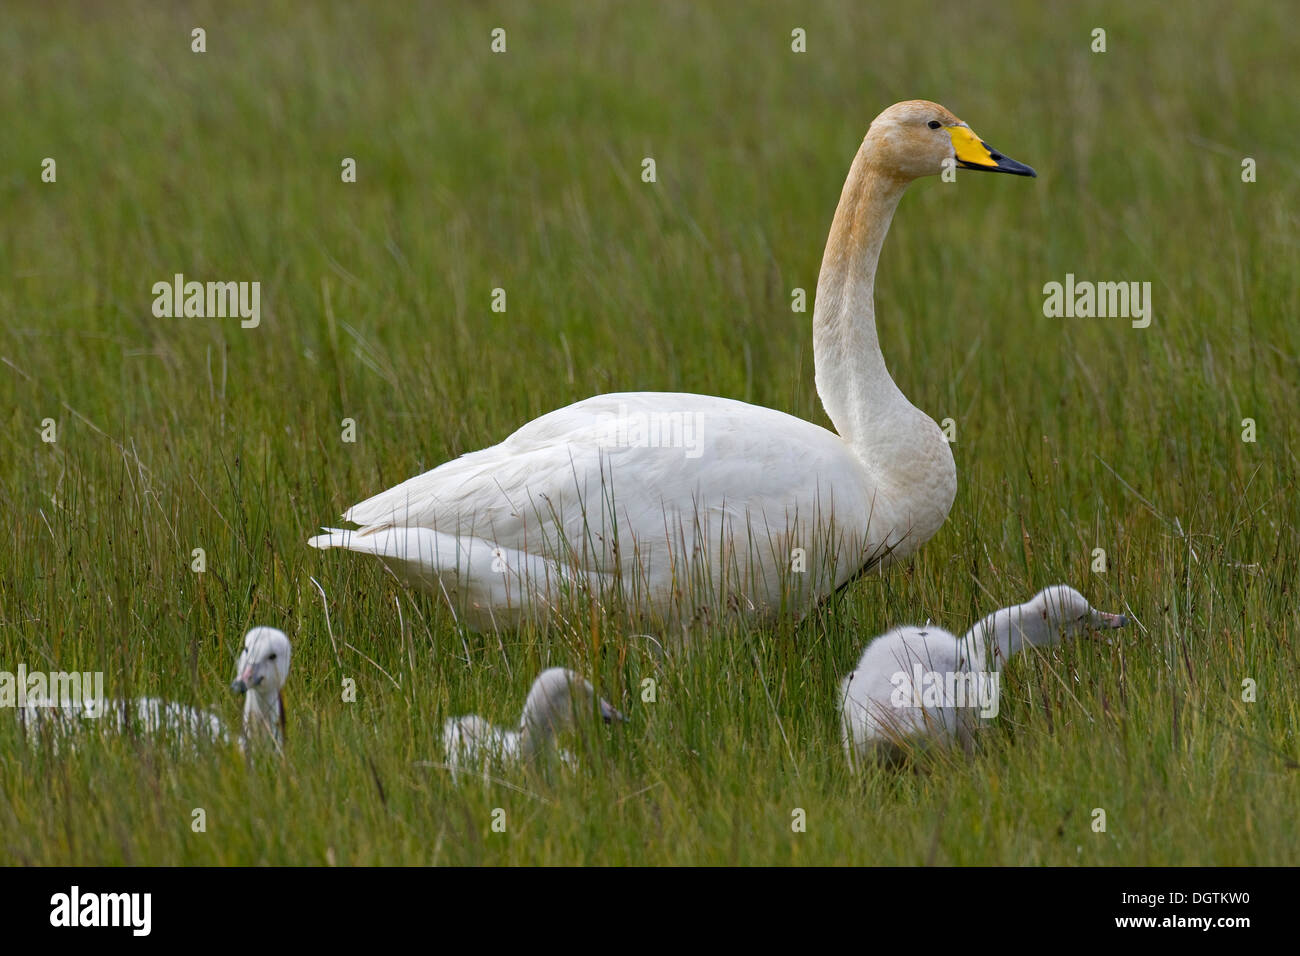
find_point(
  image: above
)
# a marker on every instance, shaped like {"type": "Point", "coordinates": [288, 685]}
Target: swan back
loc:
{"type": "Point", "coordinates": [906, 684]}
{"type": "Point", "coordinates": [151, 716]}
{"type": "Point", "coordinates": [471, 741]}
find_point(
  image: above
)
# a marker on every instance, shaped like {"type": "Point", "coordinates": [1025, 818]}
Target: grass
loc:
{"type": "Point", "coordinates": [522, 171]}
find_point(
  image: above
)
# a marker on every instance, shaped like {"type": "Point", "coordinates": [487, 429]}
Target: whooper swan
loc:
{"type": "Point", "coordinates": [684, 505]}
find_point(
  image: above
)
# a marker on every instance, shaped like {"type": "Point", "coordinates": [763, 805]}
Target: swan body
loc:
{"type": "Point", "coordinates": [557, 702]}
{"type": "Point", "coordinates": [924, 682]}
{"type": "Point", "coordinates": [151, 716]}
{"type": "Point", "coordinates": [261, 672]}
{"type": "Point", "coordinates": [683, 505]}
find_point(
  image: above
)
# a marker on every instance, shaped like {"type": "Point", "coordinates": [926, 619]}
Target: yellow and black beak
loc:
{"type": "Point", "coordinates": [974, 153]}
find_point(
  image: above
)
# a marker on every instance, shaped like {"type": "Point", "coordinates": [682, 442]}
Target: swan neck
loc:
{"type": "Point", "coordinates": [535, 730]}
{"type": "Point", "coordinates": [1003, 634]}
{"type": "Point", "coordinates": [852, 380]}
{"type": "Point", "coordinates": [262, 715]}
{"type": "Point", "coordinates": [533, 739]}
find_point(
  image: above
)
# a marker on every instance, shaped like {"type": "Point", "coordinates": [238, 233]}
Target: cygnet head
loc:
{"type": "Point", "coordinates": [918, 138]}
{"type": "Point", "coordinates": [558, 699]}
{"type": "Point", "coordinates": [263, 665]}
{"type": "Point", "coordinates": [260, 675]}
{"type": "Point", "coordinates": [1061, 610]}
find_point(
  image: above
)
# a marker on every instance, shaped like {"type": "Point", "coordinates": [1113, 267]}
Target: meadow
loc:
{"type": "Point", "coordinates": [522, 170]}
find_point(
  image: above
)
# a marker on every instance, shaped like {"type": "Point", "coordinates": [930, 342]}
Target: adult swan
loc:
{"type": "Point", "coordinates": [679, 507]}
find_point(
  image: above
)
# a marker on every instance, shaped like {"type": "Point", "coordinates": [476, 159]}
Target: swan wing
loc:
{"type": "Point", "coordinates": [639, 467]}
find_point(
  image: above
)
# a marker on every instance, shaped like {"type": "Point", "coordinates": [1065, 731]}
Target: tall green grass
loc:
{"type": "Point", "coordinates": [522, 171]}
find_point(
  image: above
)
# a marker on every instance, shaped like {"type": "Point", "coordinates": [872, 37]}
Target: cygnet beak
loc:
{"type": "Point", "coordinates": [609, 714]}
{"type": "Point", "coordinates": [244, 681]}
{"type": "Point", "coordinates": [1110, 620]}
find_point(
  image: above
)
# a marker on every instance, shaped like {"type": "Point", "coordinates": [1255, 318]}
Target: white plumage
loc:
{"type": "Point", "coordinates": [153, 716]}
{"type": "Point", "coordinates": [558, 701]}
{"type": "Point", "coordinates": [923, 682]}
{"type": "Point", "coordinates": [683, 505]}
{"type": "Point", "coordinates": [260, 675]}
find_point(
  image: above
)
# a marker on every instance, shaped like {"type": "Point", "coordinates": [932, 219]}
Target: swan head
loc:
{"type": "Point", "coordinates": [1062, 610]}
{"type": "Point", "coordinates": [558, 699]}
{"type": "Point", "coordinates": [918, 138]}
{"type": "Point", "coordinates": [263, 665]}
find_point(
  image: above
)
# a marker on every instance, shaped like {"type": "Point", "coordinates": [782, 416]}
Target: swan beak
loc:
{"type": "Point", "coordinates": [609, 714]}
{"type": "Point", "coordinates": [1109, 620]}
{"type": "Point", "coordinates": [973, 153]}
{"type": "Point", "coordinates": [244, 681]}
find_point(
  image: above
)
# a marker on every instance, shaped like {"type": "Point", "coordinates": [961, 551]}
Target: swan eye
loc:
{"type": "Point", "coordinates": [271, 658]}
{"type": "Point", "coordinates": [934, 124]}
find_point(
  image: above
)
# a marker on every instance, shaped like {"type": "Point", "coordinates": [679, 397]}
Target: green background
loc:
{"type": "Point", "coordinates": [522, 171]}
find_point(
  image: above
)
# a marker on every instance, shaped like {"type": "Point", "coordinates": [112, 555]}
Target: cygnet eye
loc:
{"type": "Point", "coordinates": [271, 658]}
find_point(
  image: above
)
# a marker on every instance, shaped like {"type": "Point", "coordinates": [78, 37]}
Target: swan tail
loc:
{"type": "Point", "coordinates": [475, 575]}
{"type": "Point", "coordinates": [332, 538]}
{"type": "Point", "coordinates": [432, 551]}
